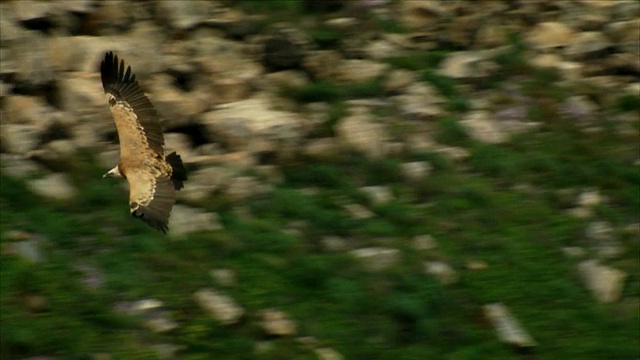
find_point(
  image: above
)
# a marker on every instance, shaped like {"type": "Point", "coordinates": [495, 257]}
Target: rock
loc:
{"type": "Point", "coordinates": [378, 194]}
{"type": "Point", "coordinates": [92, 277]}
{"type": "Point", "coordinates": [381, 49]}
{"type": "Point", "coordinates": [579, 108]}
{"type": "Point", "coordinates": [360, 70]}
{"type": "Point", "coordinates": [421, 14]}
{"type": "Point", "coordinates": [30, 249]}
{"type": "Point", "coordinates": [453, 153]}
{"type": "Point", "coordinates": [421, 102]}
{"type": "Point", "coordinates": [53, 186]}
{"type": "Point", "coordinates": [588, 44]}
{"type": "Point", "coordinates": [17, 166]}
{"type": "Point", "coordinates": [327, 353]}
{"type": "Point", "coordinates": [323, 64]}
{"type": "Point", "coordinates": [186, 220]}
{"type": "Point", "coordinates": [25, 110]}
{"type": "Point", "coordinates": [362, 133]}
{"type": "Point", "coordinates": [224, 277]}
{"type": "Point", "coordinates": [277, 323]}
{"type": "Point", "coordinates": [285, 80]}
{"type": "Point", "coordinates": [507, 327]}
{"type": "Point", "coordinates": [20, 139]}
{"type": "Point", "coordinates": [442, 271]}
{"type": "Point", "coordinates": [56, 154]}
{"type": "Point", "coordinates": [243, 187]}
{"type": "Point", "coordinates": [604, 282]}
{"type": "Point", "coordinates": [82, 93]}
{"type": "Point", "coordinates": [358, 211]}
{"type": "Point", "coordinates": [179, 143]}
{"type": "Point", "coordinates": [152, 312]}
{"type": "Point", "coordinates": [424, 242]}
{"type": "Point", "coordinates": [398, 80]}
{"type": "Point", "coordinates": [601, 239]}
{"type": "Point", "coordinates": [416, 171]}
{"type": "Point", "coordinates": [548, 35]}
{"type": "Point", "coordinates": [476, 265]}
{"type": "Point", "coordinates": [220, 306]}
{"type": "Point", "coordinates": [334, 243]}
{"type": "Point", "coordinates": [322, 148]}
{"type": "Point", "coordinates": [176, 108]}
{"type": "Point", "coordinates": [480, 126]}
{"type": "Point", "coordinates": [185, 14]}
{"type": "Point", "coordinates": [624, 36]}
{"type": "Point", "coordinates": [468, 65]}
{"type": "Point", "coordinates": [32, 69]}
{"type": "Point", "coordinates": [205, 181]}
{"type": "Point", "coordinates": [377, 258]}
{"type": "Point", "coordinates": [248, 120]}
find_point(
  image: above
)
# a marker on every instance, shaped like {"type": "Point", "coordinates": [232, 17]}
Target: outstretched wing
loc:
{"type": "Point", "coordinates": [151, 198]}
{"type": "Point", "coordinates": [135, 117]}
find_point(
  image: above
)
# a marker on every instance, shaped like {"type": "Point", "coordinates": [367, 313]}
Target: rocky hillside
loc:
{"type": "Point", "coordinates": [368, 179]}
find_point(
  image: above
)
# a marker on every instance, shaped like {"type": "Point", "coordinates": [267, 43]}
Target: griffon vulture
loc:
{"type": "Point", "coordinates": [153, 177]}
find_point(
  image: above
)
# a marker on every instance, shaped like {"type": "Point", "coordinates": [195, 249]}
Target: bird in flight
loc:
{"type": "Point", "coordinates": [153, 177]}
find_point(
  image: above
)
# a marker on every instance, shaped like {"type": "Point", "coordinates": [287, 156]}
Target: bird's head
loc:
{"type": "Point", "coordinates": [115, 172]}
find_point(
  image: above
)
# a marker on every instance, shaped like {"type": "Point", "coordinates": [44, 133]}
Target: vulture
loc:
{"type": "Point", "coordinates": [153, 177]}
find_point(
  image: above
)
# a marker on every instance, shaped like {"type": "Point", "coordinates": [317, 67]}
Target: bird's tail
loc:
{"type": "Point", "coordinates": [179, 173]}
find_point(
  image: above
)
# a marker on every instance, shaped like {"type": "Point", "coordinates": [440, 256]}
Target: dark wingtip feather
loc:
{"type": "Point", "coordinates": [179, 172]}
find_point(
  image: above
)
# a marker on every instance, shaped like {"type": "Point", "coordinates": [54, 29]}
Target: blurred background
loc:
{"type": "Point", "coordinates": [368, 179]}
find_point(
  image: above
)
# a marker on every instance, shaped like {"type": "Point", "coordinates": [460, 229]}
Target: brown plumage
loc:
{"type": "Point", "coordinates": [153, 177]}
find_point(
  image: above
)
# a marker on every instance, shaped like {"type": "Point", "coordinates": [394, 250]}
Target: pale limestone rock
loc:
{"type": "Point", "coordinates": [421, 101]}
{"type": "Point", "coordinates": [18, 166]}
{"type": "Point", "coordinates": [398, 80]}
{"type": "Point", "coordinates": [587, 44]}
{"type": "Point", "coordinates": [360, 70]}
{"type": "Point", "coordinates": [82, 93]}
{"type": "Point", "coordinates": [420, 14]}
{"type": "Point", "coordinates": [327, 353]}
{"type": "Point", "coordinates": [186, 220]}
{"type": "Point", "coordinates": [377, 258]}
{"type": "Point", "coordinates": [547, 35]}
{"type": "Point", "coordinates": [358, 211]}
{"type": "Point", "coordinates": [54, 186]}
{"type": "Point", "coordinates": [322, 148]}
{"type": "Point", "coordinates": [20, 138]}
{"type": "Point", "coordinates": [416, 170]}
{"type": "Point", "coordinates": [247, 120]}
{"type": "Point", "coordinates": [507, 326]}
{"type": "Point", "coordinates": [177, 108]}
{"type": "Point", "coordinates": [277, 323]}
{"type": "Point", "coordinates": [220, 306]}
{"type": "Point", "coordinates": [334, 243]}
{"type": "Point", "coordinates": [476, 265]}
{"type": "Point", "coordinates": [378, 194]}
{"type": "Point", "coordinates": [424, 242]}
{"type": "Point", "coordinates": [601, 238]}
{"type": "Point", "coordinates": [179, 143]}
{"type": "Point", "coordinates": [323, 64]}
{"type": "Point", "coordinates": [604, 282]}
{"type": "Point", "coordinates": [443, 272]}
{"type": "Point", "coordinates": [481, 126]}
{"type": "Point", "coordinates": [224, 277]}
{"type": "Point", "coordinates": [467, 65]}
{"type": "Point", "coordinates": [590, 198]}
{"type": "Point", "coordinates": [364, 134]}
